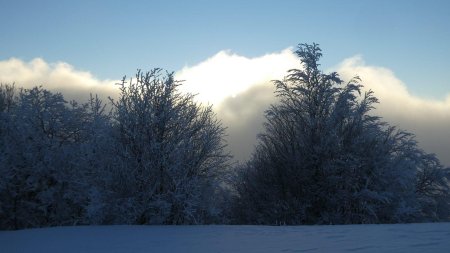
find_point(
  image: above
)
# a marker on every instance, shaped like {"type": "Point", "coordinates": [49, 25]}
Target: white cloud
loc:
{"type": "Point", "coordinates": [428, 119]}
{"type": "Point", "coordinates": [59, 76]}
{"type": "Point", "coordinates": [241, 90]}
{"type": "Point", "coordinates": [227, 75]}
{"type": "Point", "coordinates": [239, 86]}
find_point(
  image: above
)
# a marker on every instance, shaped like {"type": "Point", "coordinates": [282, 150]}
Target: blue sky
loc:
{"type": "Point", "coordinates": [114, 38]}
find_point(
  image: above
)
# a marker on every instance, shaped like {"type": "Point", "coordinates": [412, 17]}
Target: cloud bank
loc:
{"type": "Point", "coordinates": [60, 77]}
{"type": "Point", "coordinates": [240, 89]}
{"type": "Point", "coordinates": [428, 119]}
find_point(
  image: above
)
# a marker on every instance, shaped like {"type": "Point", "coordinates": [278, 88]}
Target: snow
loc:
{"type": "Point", "coordinates": [427, 237]}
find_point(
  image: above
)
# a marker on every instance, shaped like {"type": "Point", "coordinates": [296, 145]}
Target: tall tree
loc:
{"type": "Point", "coordinates": [324, 158]}
{"type": "Point", "coordinates": [169, 151]}
{"type": "Point", "coordinates": [39, 147]}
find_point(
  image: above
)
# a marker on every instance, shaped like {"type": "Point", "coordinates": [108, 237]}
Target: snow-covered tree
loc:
{"type": "Point", "coordinates": [39, 149]}
{"type": "Point", "coordinates": [324, 158]}
{"type": "Point", "coordinates": [156, 158]}
{"type": "Point", "coordinates": [7, 97]}
{"type": "Point", "coordinates": [433, 188]}
{"type": "Point", "coordinates": [167, 154]}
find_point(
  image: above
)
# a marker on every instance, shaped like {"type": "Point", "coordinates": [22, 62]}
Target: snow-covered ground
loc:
{"type": "Point", "coordinates": [429, 237]}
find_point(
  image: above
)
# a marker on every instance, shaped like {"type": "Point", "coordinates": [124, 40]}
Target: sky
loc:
{"type": "Point", "coordinates": [228, 51]}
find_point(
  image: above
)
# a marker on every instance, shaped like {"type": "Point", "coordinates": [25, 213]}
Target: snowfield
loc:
{"type": "Point", "coordinates": [428, 237]}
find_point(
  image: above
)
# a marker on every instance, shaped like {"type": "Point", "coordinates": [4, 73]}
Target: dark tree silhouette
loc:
{"type": "Point", "coordinates": [170, 152]}
{"type": "Point", "coordinates": [325, 158]}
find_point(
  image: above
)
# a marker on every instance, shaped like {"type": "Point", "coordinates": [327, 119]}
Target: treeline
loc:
{"type": "Point", "coordinates": [155, 156]}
